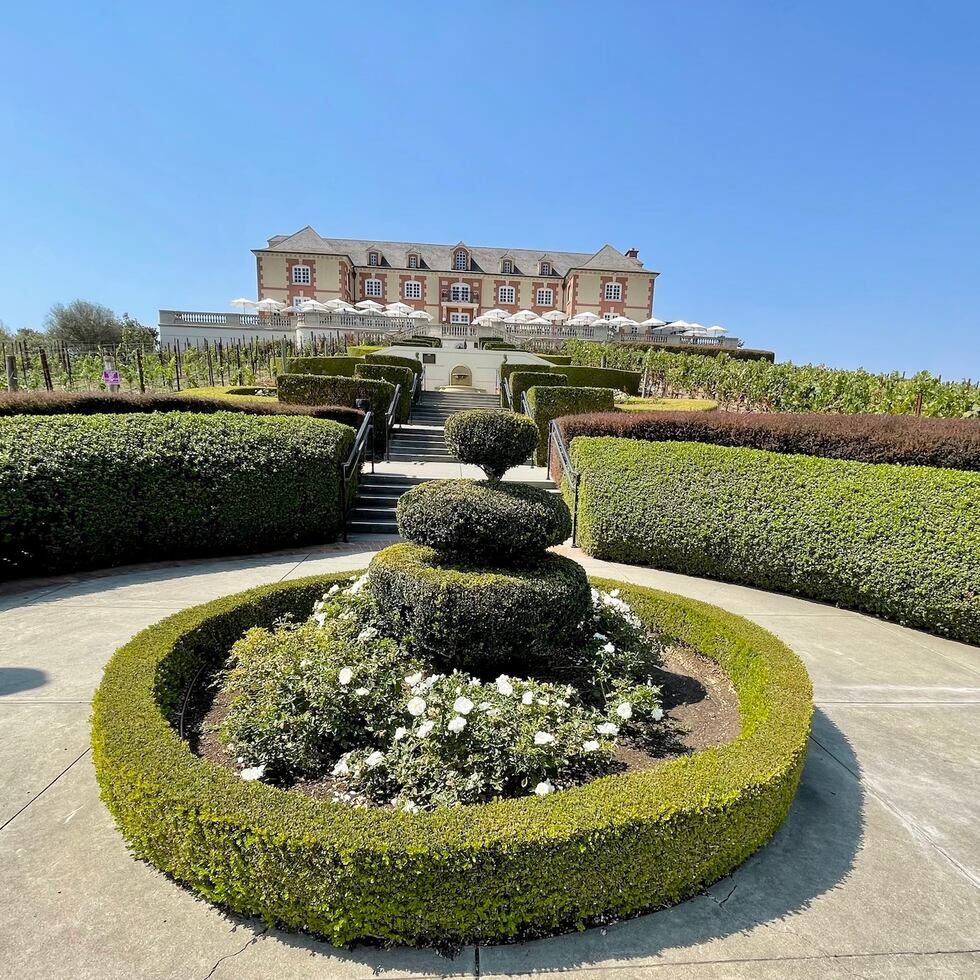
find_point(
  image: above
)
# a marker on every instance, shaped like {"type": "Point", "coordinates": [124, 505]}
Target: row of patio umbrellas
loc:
{"type": "Point", "coordinates": [370, 307]}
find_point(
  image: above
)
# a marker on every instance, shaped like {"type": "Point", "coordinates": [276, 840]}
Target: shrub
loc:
{"type": "Point", "coordinates": [477, 618]}
{"type": "Point", "coordinates": [489, 523]}
{"type": "Point", "coordinates": [361, 350]}
{"type": "Point", "coordinates": [611, 848]}
{"type": "Point", "coordinates": [950, 443]}
{"type": "Point", "coordinates": [557, 359]}
{"type": "Point", "coordinates": [498, 345]}
{"type": "Point", "coordinates": [87, 491]}
{"type": "Point", "coordinates": [521, 381]}
{"type": "Point", "coordinates": [218, 400]}
{"type": "Point", "coordinates": [552, 403]}
{"type": "Point", "coordinates": [900, 542]}
{"type": "Point", "coordinates": [599, 377]}
{"type": "Point", "coordinates": [314, 389]}
{"type": "Point", "coordinates": [406, 362]}
{"type": "Point", "coordinates": [393, 375]}
{"type": "Point", "coordinates": [492, 439]}
{"type": "Point", "coordinates": [337, 366]}
{"type": "Point", "coordinates": [417, 342]}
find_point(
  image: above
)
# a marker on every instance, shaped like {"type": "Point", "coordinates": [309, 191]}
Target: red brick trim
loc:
{"type": "Point", "coordinates": [416, 304]}
{"type": "Point", "coordinates": [543, 284]}
{"type": "Point", "coordinates": [617, 306]}
{"type": "Point", "coordinates": [495, 299]}
{"type": "Point", "coordinates": [295, 289]}
{"type": "Point", "coordinates": [372, 272]}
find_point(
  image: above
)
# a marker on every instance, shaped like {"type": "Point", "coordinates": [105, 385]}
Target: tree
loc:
{"type": "Point", "coordinates": [136, 334]}
{"type": "Point", "coordinates": [82, 322]}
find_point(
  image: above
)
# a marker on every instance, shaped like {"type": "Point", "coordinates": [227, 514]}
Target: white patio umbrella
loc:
{"type": "Point", "coordinates": [653, 322]}
{"type": "Point", "coordinates": [698, 329]}
{"type": "Point", "coordinates": [269, 306]}
{"type": "Point", "coordinates": [420, 315]}
{"type": "Point", "coordinates": [402, 308]}
{"type": "Point", "coordinates": [291, 309]}
{"type": "Point", "coordinates": [555, 316]}
{"type": "Point", "coordinates": [622, 321]}
{"type": "Point", "coordinates": [496, 313]}
{"type": "Point", "coordinates": [340, 305]}
{"type": "Point", "coordinates": [539, 321]}
{"type": "Point", "coordinates": [369, 304]}
{"type": "Point", "coordinates": [242, 303]}
{"type": "Point", "coordinates": [393, 313]}
{"type": "Point", "coordinates": [587, 317]}
{"type": "Point", "coordinates": [522, 316]}
{"type": "Point", "coordinates": [578, 321]}
{"type": "Point", "coordinates": [481, 321]}
{"type": "Point", "coordinates": [315, 307]}
{"type": "Point", "coordinates": [716, 329]}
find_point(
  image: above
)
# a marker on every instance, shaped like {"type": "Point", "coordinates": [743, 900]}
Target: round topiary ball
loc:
{"type": "Point", "coordinates": [478, 619]}
{"type": "Point", "coordinates": [493, 439]}
{"type": "Point", "coordinates": [485, 522]}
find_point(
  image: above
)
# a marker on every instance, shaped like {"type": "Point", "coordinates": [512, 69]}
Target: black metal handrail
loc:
{"type": "Point", "coordinates": [505, 384]}
{"type": "Point", "coordinates": [556, 439]}
{"type": "Point", "coordinates": [391, 416]}
{"type": "Point", "coordinates": [525, 407]}
{"type": "Point", "coordinates": [416, 391]}
{"type": "Point", "coordinates": [351, 467]}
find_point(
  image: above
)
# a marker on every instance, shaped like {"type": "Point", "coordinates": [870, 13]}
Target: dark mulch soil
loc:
{"type": "Point", "coordinates": [700, 708]}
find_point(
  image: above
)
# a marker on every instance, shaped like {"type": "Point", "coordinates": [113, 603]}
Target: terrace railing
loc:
{"type": "Point", "coordinates": [558, 451]}
{"type": "Point", "coordinates": [351, 468]}
{"type": "Point", "coordinates": [391, 417]}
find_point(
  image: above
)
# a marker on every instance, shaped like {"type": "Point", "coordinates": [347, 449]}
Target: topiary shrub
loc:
{"type": "Point", "coordinates": [496, 522]}
{"type": "Point", "coordinates": [520, 867]}
{"type": "Point", "coordinates": [902, 542]}
{"type": "Point", "coordinates": [315, 389]}
{"type": "Point", "coordinates": [551, 403]}
{"type": "Point", "coordinates": [393, 375]}
{"type": "Point", "coordinates": [522, 381]}
{"type": "Point", "coordinates": [334, 367]}
{"type": "Point", "coordinates": [492, 439]}
{"type": "Point", "coordinates": [477, 618]}
{"type": "Point", "coordinates": [90, 491]}
{"type": "Point", "coordinates": [598, 377]}
{"type": "Point", "coordinates": [406, 362]}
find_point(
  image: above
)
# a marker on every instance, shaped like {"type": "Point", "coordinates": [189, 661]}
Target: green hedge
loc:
{"type": "Point", "coordinates": [335, 367]}
{"type": "Point", "coordinates": [523, 381]}
{"type": "Point", "coordinates": [393, 375]}
{"type": "Point", "coordinates": [551, 403]}
{"type": "Point", "coordinates": [902, 542]}
{"type": "Point", "coordinates": [362, 350]}
{"type": "Point", "coordinates": [412, 363]}
{"type": "Point", "coordinates": [316, 389]}
{"type": "Point", "coordinates": [558, 359]}
{"type": "Point", "coordinates": [417, 342]}
{"type": "Point", "coordinates": [613, 847]}
{"type": "Point", "coordinates": [599, 377]}
{"type": "Point", "coordinates": [95, 490]}
{"type": "Point", "coordinates": [491, 438]}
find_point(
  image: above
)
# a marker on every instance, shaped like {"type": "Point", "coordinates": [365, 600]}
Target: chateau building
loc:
{"type": "Point", "coordinates": [454, 283]}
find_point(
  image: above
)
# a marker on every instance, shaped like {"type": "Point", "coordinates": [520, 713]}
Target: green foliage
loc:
{"type": "Point", "coordinates": [315, 389]}
{"type": "Point", "coordinates": [417, 342]}
{"type": "Point", "coordinates": [492, 439]}
{"type": "Point", "coordinates": [412, 363]}
{"type": "Point", "coordinates": [521, 381]}
{"type": "Point", "coordinates": [600, 377]}
{"type": "Point", "coordinates": [334, 367]}
{"type": "Point", "coordinates": [762, 386]}
{"type": "Point", "coordinates": [88, 491]}
{"type": "Point", "coordinates": [83, 322]}
{"type": "Point", "coordinates": [362, 350]}
{"type": "Point", "coordinates": [610, 848]}
{"type": "Point", "coordinates": [498, 345]}
{"type": "Point", "coordinates": [557, 359]}
{"type": "Point", "coordinates": [134, 334]}
{"type": "Point", "coordinates": [552, 403]}
{"type": "Point", "coordinates": [898, 541]}
{"type": "Point", "coordinates": [478, 618]}
{"type": "Point", "coordinates": [484, 522]}
{"type": "Point", "coordinates": [394, 375]}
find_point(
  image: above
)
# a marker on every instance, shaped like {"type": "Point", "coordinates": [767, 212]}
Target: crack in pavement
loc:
{"type": "Point", "coordinates": [229, 956]}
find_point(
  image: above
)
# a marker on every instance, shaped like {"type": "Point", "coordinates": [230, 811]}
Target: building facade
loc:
{"type": "Point", "coordinates": [454, 283]}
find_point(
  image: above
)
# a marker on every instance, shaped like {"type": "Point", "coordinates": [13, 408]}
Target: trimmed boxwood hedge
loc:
{"type": "Point", "coordinates": [522, 381]}
{"type": "Point", "coordinates": [484, 522]}
{"type": "Point", "coordinates": [316, 389]}
{"type": "Point", "coordinates": [88, 491]}
{"type": "Point", "coordinates": [552, 403]}
{"type": "Point", "coordinates": [337, 366]}
{"type": "Point", "coordinates": [393, 375]}
{"type": "Point", "coordinates": [902, 542]}
{"type": "Point", "coordinates": [481, 618]}
{"type": "Point", "coordinates": [559, 359]}
{"type": "Point", "coordinates": [493, 439]}
{"type": "Point", "coordinates": [411, 363]}
{"type": "Point", "coordinates": [950, 443]}
{"type": "Point", "coordinates": [613, 847]}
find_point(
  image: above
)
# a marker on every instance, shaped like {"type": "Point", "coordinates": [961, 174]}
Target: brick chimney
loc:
{"type": "Point", "coordinates": [632, 253]}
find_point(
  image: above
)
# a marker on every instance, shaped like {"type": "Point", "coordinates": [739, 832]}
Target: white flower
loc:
{"type": "Point", "coordinates": [462, 706]}
{"type": "Point", "coordinates": [374, 759]}
{"type": "Point", "coordinates": [599, 636]}
{"type": "Point", "coordinates": [607, 728]}
{"type": "Point", "coordinates": [657, 714]}
{"type": "Point", "coordinates": [333, 590]}
{"type": "Point", "coordinates": [362, 691]}
{"type": "Point", "coordinates": [425, 728]}
{"type": "Point", "coordinates": [615, 593]}
{"type": "Point", "coordinates": [320, 618]}
{"type": "Point", "coordinates": [485, 706]}
{"type": "Point", "coordinates": [358, 585]}
{"type": "Point", "coordinates": [416, 707]}
{"type": "Point", "coordinates": [543, 789]}
{"type": "Point", "coordinates": [543, 738]}
{"type": "Point", "coordinates": [610, 648]}
{"type": "Point", "coordinates": [410, 806]}
{"type": "Point", "coordinates": [474, 682]}
{"type": "Point", "coordinates": [456, 725]}
{"type": "Point", "coordinates": [341, 769]}
{"type": "Point", "coordinates": [304, 663]}
{"type": "Point", "coordinates": [591, 746]}
{"type": "Point", "coordinates": [504, 685]}
{"type": "Point", "coordinates": [400, 733]}
{"type": "Point", "coordinates": [543, 700]}
{"type": "Point", "coordinates": [345, 676]}
{"type": "Point", "coordinates": [527, 697]}
{"type": "Point", "coordinates": [429, 681]}
{"type": "Point", "coordinates": [368, 633]}
{"type": "Point", "coordinates": [256, 772]}
{"type": "Point", "coordinates": [412, 679]}
{"type": "Point", "coordinates": [625, 711]}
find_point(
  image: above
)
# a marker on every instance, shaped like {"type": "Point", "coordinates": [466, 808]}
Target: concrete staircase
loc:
{"type": "Point", "coordinates": [422, 440]}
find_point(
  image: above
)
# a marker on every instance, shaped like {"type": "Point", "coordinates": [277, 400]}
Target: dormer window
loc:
{"type": "Point", "coordinates": [546, 268]}
{"type": "Point", "coordinates": [461, 260]}
{"type": "Point", "coordinates": [413, 260]}
{"type": "Point", "coordinates": [374, 258]}
{"type": "Point", "coordinates": [507, 267]}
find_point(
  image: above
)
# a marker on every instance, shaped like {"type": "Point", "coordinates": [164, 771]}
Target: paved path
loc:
{"type": "Point", "coordinates": [874, 874]}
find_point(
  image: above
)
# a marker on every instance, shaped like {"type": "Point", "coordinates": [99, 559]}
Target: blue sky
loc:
{"type": "Point", "coordinates": [806, 174]}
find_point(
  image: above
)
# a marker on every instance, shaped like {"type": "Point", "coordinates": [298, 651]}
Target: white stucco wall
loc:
{"type": "Point", "coordinates": [484, 365]}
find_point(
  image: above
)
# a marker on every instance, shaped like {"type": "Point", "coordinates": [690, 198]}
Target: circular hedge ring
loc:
{"type": "Point", "coordinates": [613, 847]}
{"type": "Point", "coordinates": [491, 522]}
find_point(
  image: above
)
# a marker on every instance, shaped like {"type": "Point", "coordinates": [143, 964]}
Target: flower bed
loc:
{"type": "Point", "coordinates": [611, 847]}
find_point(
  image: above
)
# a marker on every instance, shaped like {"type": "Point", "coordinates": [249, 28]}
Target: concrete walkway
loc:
{"type": "Point", "coordinates": [874, 874]}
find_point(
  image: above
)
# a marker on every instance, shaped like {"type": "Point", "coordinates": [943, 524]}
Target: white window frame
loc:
{"type": "Point", "coordinates": [545, 269]}
{"type": "Point", "coordinates": [459, 318]}
{"type": "Point", "coordinates": [413, 261]}
{"type": "Point", "coordinates": [544, 291]}
{"type": "Point", "coordinates": [503, 292]}
{"type": "Point", "coordinates": [373, 288]}
{"type": "Point", "coordinates": [416, 289]}
{"type": "Point", "coordinates": [461, 260]}
{"type": "Point", "coordinates": [613, 292]}
{"type": "Point", "coordinates": [609, 316]}
{"type": "Point", "coordinates": [374, 259]}
{"type": "Point", "coordinates": [507, 267]}
{"type": "Point", "coordinates": [297, 275]}
{"type": "Point", "coordinates": [460, 292]}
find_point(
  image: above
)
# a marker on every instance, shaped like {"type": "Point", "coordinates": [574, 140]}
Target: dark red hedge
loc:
{"type": "Point", "coordinates": [950, 443]}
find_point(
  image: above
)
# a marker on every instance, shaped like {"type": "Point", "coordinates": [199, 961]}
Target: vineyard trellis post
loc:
{"type": "Point", "coordinates": [139, 370]}
{"type": "Point", "coordinates": [10, 363]}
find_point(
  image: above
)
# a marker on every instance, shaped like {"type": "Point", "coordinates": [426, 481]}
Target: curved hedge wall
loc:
{"type": "Point", "coordinates": [316, 389]}
{"type": "Point", "coordinates": [337, 366]}
{"type": "Point", "coordinates": [552, 403]}
{"type": "Point", "coordinates": [523, 381]}
{"type": "Point", "coordinates": [613, 847]}
{"type": "Point", "coordinates": [394, 375]}
{"type": "Point", "coordinates": [902, 542]}
{"type": "Point", "coordinates": [88, 491]}
{"type": "Point", "coordinates": [412, 363]}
